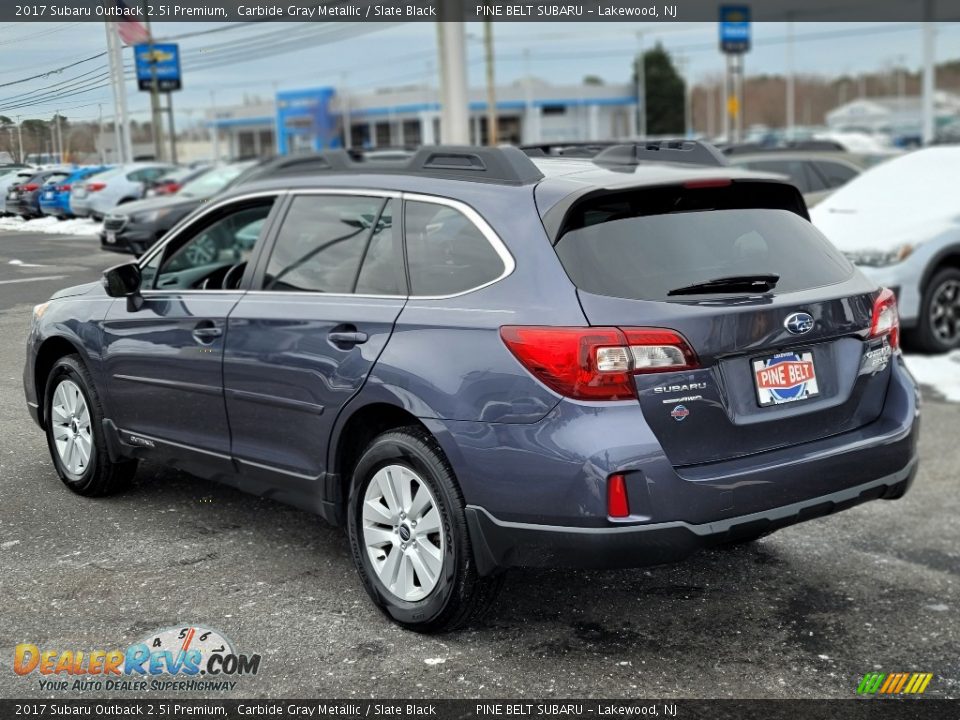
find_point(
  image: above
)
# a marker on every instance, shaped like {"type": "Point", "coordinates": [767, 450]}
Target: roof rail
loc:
{"type": "Point", "coordinates": [789, 146]}
{"type": "Point", "coordinates": [691, 152]}
{"type": "Point", "coordinates": [575, 149]}
{"type": "Point", "coordinates": [503, 165]}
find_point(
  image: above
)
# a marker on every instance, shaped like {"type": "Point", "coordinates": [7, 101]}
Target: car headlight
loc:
{"type": "Point", "coordinates": [148, 217]}
{"type": "Point", "coordinates": [39, 310]}
{"type": "Point", "coordinates": [880, 258]}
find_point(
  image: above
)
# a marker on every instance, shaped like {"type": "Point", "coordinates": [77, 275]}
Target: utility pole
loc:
{"type": "Point", "coordinates": [156, 122]}
{"type": "Point", "coordinates": [214, 129]}
{"type": "Point", "coordinates": [492, 138]}
{"type": "Point", "coordinates": [452, 50]}
{"type": "Point", "coordinates": [345, 113]}
{"type": "Point", "coordinates": [929, 71]}
{"type": "Point", "coordinates": [59, 139]}
{"type": "Point", "coordinates": [20, 138]}
{"type": "Point", "coordinates": [791, 84]}
{"type": "Point", "coordinates": [641, 90]}
{"type": "Point", "coordinates": [100, 132]}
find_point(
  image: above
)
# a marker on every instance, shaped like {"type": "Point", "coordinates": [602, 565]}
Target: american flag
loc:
{"type": "Point", "coordinates": [130, 30]}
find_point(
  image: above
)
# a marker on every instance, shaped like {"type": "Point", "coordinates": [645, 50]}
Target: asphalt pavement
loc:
{"type": "Point", "coordinates": [803, 613]}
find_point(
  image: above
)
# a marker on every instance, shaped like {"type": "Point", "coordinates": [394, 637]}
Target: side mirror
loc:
{"type": "Point", "coordinates": [122, 280]}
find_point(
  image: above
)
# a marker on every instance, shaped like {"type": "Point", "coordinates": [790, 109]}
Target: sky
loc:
{"type": "Point", "coordinates": [221, 66]}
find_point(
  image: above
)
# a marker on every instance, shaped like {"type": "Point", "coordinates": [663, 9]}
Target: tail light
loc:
{"type": "Point", "coordinates": [95, 186]}
{"type": "Point", "coordinates": [30, 187]}
{"type": "Point", "coordinates": [617, 504]}
{"type": "Point", "coordinates": [64, 188]}
{"type": "Point", "coordinates": [596, 363]}
{"type": "Point", "coordinates": [886, 318]}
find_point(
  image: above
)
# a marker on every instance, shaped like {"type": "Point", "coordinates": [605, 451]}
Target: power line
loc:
{"type": "Point", "coordinates": [48, 73]}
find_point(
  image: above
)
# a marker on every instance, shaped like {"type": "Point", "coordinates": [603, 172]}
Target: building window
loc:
{"type": "Point", "coordinates": [554, 109]}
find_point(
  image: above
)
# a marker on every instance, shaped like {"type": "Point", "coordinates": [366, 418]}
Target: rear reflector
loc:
{"type": "Point", "coordinates": [596, 363]}
{"type": "Point", "coordinates": [617, 505]}
{"type": "Point", "coordinates": [886, 318]}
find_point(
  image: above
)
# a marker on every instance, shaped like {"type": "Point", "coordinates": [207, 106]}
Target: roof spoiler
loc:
{"type": "Point", "coordinates": [692, 152]}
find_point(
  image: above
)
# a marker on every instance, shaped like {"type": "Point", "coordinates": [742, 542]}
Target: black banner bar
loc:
{"type": "Point", "coordinates": [665, 11]}
{"type": "Point", "coordinates": [514, 709]}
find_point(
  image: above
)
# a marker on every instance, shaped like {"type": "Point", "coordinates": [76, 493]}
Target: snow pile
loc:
{"type": "Point", "coordinates": [51, 226]}
{"type": "Point", "coordinates": [940, 372]}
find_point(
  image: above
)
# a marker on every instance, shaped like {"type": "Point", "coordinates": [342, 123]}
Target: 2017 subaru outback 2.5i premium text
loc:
{"type": "Point", "coordinates": [474, 359]}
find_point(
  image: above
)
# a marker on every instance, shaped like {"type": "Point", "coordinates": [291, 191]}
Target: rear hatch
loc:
{"type": "Point", "coordinates": [782, 344]}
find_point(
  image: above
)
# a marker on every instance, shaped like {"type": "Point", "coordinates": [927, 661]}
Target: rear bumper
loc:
{"type": "Point", "coordinates": [500, 544]}
{"type": "Point", "coordinates": [553, 512]}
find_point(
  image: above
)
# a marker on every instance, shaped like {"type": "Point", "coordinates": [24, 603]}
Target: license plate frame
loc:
{"type": "Point", "coordinates": [784, 377]}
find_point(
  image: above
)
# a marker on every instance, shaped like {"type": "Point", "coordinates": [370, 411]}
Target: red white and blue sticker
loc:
{"type": "Point", "coordinates": [679, 413]}
{"type": "Point", "coordinates": [785, 377]}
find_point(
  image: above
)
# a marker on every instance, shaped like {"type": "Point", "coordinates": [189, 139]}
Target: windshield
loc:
{"type": "Point", "coordinates": [213, 181]}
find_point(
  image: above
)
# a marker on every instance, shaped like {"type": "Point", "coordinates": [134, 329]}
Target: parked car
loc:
{"type": "Point", "coordinates": [816, 174]}
{"type": "Point", "coordinates": [23, 198]}
{"type": "Point", "coordinates": [55, 198]}
{"type": "Point", "coordinates": [900, 223]}
{"type": "Point", "coordinates": [98, 196]}
{"type": "Point", "coordinates": [136, 226]}
{"type": "Point", "coordinates": [11, 177]}
{"type": "Point", "coordinates": [171, 182]}
{"type": "Point", "coordinates": [475, 360]}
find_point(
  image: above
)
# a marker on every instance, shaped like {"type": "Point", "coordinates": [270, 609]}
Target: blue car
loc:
{"type": "Point", "coordinates": [472, 360]}
{"type": "Point", "coordinates": [55, 198]}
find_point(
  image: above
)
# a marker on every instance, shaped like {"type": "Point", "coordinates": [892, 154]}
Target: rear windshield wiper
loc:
{"type": "Point", "coordinates": [733, 283]}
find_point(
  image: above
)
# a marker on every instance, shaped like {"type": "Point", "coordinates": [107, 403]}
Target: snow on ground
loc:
{"type": "Point", "coordinates": [940, 372]}
{"type": "Point", "coordinates": [51, 226]}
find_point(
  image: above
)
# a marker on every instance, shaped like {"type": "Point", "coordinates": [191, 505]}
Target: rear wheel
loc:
{"type": "Point", "coordinates": [408, 533]}
{"type": "Point", "coordinates": [75, 432]}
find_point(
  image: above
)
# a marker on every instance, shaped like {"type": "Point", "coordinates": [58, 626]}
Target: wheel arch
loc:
{"type": "Point", "coordinates": [948, 257]}
{"type": "Point", "coordinates": [49, 352]}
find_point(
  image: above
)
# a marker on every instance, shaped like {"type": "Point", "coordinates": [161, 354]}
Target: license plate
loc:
{"type": "Point", "coordinates": [111, 237]}
{"type": "Point", "coordinates": [79, 193]}
{"type": "Point", "coordinates": [48, 195]}
{"type": "Point", "coordinates": [785, 377]}
{"type": "Point", "coordinates": [12, 196]}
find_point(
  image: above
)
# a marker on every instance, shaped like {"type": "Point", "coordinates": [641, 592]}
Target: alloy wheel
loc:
{"type": "Point", "coordinates": [403, 532]}
{"type": "Point", "coordinates": [945, 312]}
{"type": "Point", "coordinates": [72, 430]}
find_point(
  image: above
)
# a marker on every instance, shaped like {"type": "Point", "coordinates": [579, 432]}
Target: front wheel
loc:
{"type": "Point", "coordinates": [939, 328]}
{"type": "Point", "coordinates": [408, 534]}
{"type": "Point", "coordinates": [75, 432]}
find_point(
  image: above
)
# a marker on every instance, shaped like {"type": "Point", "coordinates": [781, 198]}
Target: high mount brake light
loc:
{"type": "Point", "coordinates": [886, 318]}
{"type": "Point", "coordinates": [596, 363]}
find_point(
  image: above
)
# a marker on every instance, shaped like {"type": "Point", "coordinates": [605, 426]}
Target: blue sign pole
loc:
{"type": "Point", "coordinates": [734, 43]}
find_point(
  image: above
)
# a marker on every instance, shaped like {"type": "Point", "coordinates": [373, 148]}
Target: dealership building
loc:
{"type": "Point", "coordinates": [528, 111]}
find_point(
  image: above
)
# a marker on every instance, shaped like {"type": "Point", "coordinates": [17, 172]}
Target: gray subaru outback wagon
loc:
{"type": "Point", "coordinates": [474, 359]}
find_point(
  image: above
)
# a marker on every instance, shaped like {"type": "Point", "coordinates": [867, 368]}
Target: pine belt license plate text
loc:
{"type": "Point", "coordinates": [785, 377]}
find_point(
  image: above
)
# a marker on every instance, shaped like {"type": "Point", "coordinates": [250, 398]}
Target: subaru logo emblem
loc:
{"type": "Point", "coordinates": [799, 323]}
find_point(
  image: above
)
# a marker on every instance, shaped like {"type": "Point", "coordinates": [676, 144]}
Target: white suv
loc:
{"type": "Point", "coordinates": [900, 223]}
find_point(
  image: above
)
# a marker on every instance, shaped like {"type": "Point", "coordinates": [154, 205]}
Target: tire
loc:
{"type": "Point", "coordinates": [925, 336]}
{"type": "Point", "coordinates": [457, 594]}
{"type": "Point", "coordinates": [69, 389]}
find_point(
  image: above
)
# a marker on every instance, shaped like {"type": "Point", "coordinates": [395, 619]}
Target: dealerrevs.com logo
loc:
{"type": "Point", "coordinates": [189, 658]}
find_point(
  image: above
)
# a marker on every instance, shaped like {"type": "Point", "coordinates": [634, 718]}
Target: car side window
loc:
{"type": "Point", "coordinates": [213, 255]}
{"type": "Point", "coordinates": [337, 244]}
{"type": "Point", "coordinates": [835, 174]}
{"type": "Point", "coordinates": [794, 169]}
{"type": "Point", "coordinates": [446, 252]}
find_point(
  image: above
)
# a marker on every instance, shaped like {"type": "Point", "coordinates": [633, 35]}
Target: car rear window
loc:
{"type": "Point", "coordinates": [646, 257]}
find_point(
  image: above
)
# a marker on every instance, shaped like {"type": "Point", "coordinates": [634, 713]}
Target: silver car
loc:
{"type": "Point", "coordinates": [101, 193]}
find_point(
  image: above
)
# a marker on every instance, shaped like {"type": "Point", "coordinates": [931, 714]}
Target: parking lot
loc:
{"type": "Point", "coordinates": [803, 613]}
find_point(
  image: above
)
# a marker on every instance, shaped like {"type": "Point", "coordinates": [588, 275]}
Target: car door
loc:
{"type": "Point", "coordinates": [163, 359]}
{"type": "Point", "coordinates": [301, 343]}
